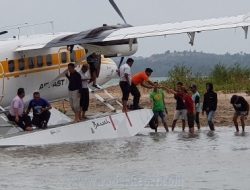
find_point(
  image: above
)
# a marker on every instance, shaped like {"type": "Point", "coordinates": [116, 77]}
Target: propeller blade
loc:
{"type": "Point", "coordinates": [117, 10]}
{"type": "Point", "coordinates": [3, 32]}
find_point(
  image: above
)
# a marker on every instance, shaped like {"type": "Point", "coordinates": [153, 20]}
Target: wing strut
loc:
{"type": "Point", "coordinates": [245, 28]}
{"type": "Point", "coordinates": [191, 36]}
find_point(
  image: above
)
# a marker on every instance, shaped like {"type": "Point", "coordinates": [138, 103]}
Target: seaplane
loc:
{"type": "Point", "coordinates": [39, 63]}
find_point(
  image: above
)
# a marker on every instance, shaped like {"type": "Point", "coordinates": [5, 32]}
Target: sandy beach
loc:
{"type": "Point", "coordinates": [223, 116]}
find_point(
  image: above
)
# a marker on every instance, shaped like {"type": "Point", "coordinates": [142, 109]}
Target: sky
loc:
{"type": "Point", "coordinates": [80, 15]}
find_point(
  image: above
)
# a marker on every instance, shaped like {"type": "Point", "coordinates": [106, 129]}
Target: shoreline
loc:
{"type": "Point", "coordinates": [223, 116]}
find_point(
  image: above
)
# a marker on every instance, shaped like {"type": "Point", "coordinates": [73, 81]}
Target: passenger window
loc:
{"type": "Point", "coordinates": [64, 57]}
{"type": "Point", "coordinates": [39, 61]}
{"type": "Point", "coordinates": [11, 65]}
{"type": "Point", "coordinates": [31, 62]}
{"type": "Point", "coordinates": [49, 60]}
{"type": "Point", "coordinates": [73, 56]}
{"type": "Point", "coordinates": [21, 64]}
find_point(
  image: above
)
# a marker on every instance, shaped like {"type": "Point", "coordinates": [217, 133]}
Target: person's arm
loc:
{"type": "Point", "coordinates": [216, 101]}
{"type": "Point", "coordinates": [29, 108]}
{"type": "Point", "coordinates": [150, 82]}
{"type": "Point", "coordinates": [169, 90]}
{"type": "Point", "coordinates": [15, 106]}
{"type": "Point", "coordinates": [79, 82]}
{"type": "Point", "coordinates": [204, 104]}
{"type": "Point", "coordinates": [164, 103]}
{"type": "Point", "coordinates": [67, 75]}
{"type": "Point", "coordinates": [145, 84]}
{"type": "Point", "coordinates": [151, 100]}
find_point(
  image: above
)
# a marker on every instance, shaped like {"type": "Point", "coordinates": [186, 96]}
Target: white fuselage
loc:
{"type": "Point", "coordinates": [34, 69]}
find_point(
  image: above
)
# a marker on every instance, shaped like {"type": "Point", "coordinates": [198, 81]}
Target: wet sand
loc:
{"type": "Point", "coordinates": [223, 116]}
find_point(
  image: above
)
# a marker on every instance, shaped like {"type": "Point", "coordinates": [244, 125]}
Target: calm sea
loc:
{"type": "Point", "coordinates": [160, 161]}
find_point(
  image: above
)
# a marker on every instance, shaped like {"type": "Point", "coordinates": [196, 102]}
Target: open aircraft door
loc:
{"type": "Point", "coordinates": [2, 84]}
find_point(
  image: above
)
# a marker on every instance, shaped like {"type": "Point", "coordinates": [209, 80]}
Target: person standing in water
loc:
{"type": "Point", "coordinates": [241, 108]}
{"type": "Point", "coordinates": [158, 105]}
{"type": "Point", "coordinates": [210, 105]}
{"type": "Point", "coordinates": [196, 99]}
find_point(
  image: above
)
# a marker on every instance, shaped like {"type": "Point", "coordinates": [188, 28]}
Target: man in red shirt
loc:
{"type": "Point", "coordinates": [141, 78]}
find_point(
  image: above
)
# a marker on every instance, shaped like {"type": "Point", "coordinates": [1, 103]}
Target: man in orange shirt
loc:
{"type": "Point", "coordinates": [141, 78]}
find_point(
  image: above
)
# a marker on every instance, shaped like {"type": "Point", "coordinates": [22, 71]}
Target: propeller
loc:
{"type": "Point", "coordinates": [117, 10]}
{"type": "Point", "coordinates": [3, 32]}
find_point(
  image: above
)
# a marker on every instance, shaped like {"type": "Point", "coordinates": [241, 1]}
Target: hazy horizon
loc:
{"type": "Point", "coordinates": [79, 15]}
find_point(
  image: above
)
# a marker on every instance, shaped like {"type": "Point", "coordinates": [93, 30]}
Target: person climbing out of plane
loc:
{"type": "Point", "coordinates": [84, 101]}
{"type": "Point", "coordinates": [241, 108]}
{"type": "Point", "coordinates": [74, 87]}
{"type": "Point", "coordinates": [157, 98]}
{"type": "Point", "coordinates": [17, 112]}
{"type": "Point", "coordinates": [210, 105]}
{"type": "Point", "coordinates": [40, 108]}
{"type": "Point", "coordinates": [125, 82]}
{"type": "Point", "coordinates": [94, 62]}
{"type": "Point", "coordinates": [140, 78]}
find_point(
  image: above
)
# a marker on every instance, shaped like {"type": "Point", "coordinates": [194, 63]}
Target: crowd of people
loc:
{"type": "Point", "coordinates": [188, 100]}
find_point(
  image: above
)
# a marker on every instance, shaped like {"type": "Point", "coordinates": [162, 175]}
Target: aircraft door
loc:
{"type": "Point", "coordinates": [2, 85]}
{"type": "Point", "coordinates": [63, 58]}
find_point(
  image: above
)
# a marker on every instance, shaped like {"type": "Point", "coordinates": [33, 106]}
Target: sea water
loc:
{"type": "Point", "coordinates": [158, 161]}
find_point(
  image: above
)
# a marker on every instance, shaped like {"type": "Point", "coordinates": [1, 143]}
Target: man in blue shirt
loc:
{"type": "Point", "coordinates": [40, 108]}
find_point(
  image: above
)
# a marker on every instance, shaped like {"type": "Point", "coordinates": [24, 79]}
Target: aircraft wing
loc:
{"type": "Point", "coordinates": [180, 27]}
{"type": "Point", "coordinates": [131, 32]}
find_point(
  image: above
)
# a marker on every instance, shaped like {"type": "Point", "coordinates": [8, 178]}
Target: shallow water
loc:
{"type": "Point", "coordinates": [207, 161]}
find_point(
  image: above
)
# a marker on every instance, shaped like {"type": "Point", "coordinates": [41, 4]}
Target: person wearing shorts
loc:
{"type": "Point", "coordinates": [241, 108]}
{"type": "Point", "coordinates": [75, 86]}
{"type": "Point", "coordinates": [181, 111]}
{"type": "Point", "coordinates": [158, 105]}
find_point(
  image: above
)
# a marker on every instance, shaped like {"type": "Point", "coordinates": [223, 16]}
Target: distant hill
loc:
{"type": "Point", "coordinates": [199, 62]}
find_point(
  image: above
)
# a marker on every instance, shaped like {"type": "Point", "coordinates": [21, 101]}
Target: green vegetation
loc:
{"type": "Point", "coordinates": [225, 79]}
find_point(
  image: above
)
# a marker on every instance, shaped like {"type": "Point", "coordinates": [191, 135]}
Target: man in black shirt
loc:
{"type": "Point", "coordinates": [241, 108]}
{"type": "Point", "coordinates": [75, 86]}
{"type": "Point", "coordinates": [181, 111]}
{"type": "Point", "coordinates": [210, 105]}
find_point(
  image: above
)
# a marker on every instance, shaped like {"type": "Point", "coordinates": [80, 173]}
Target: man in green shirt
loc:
{"type": "Point", "coordinates": [158, 105]}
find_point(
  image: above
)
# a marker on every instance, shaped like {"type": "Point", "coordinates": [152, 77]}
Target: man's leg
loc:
{"type": "Point", "coordinates": [197, 119]}
{"type": "Point", "coordinates": [190, 118]}
{"type": "Point", "coordinates": [125, 88]}
{"type": "Point", "coordinates": [164, 122]}
{"type": "Point", "coordinates": [183, 124]}
{"type": "Point", "coordinates": [27, 122]}
{"type": "Point", "coordinates": [235, 120]}
{"type": "Point", "coordinates": [210, 117]}
{"type": "Point", "coordinates": [45, 116]}
{"type": "Point", "coordinates": [242, 119]}
{"type": "Point", "coordinates": [136, 93]}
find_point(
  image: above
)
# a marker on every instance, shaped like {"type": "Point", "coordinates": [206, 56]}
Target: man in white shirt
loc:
{"type": "Point", "coordinates": [17, 113]}
{"type": "Point", "coordinates": [125, 82]}
{"type": "Point", "coordinates": [84, 101]}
